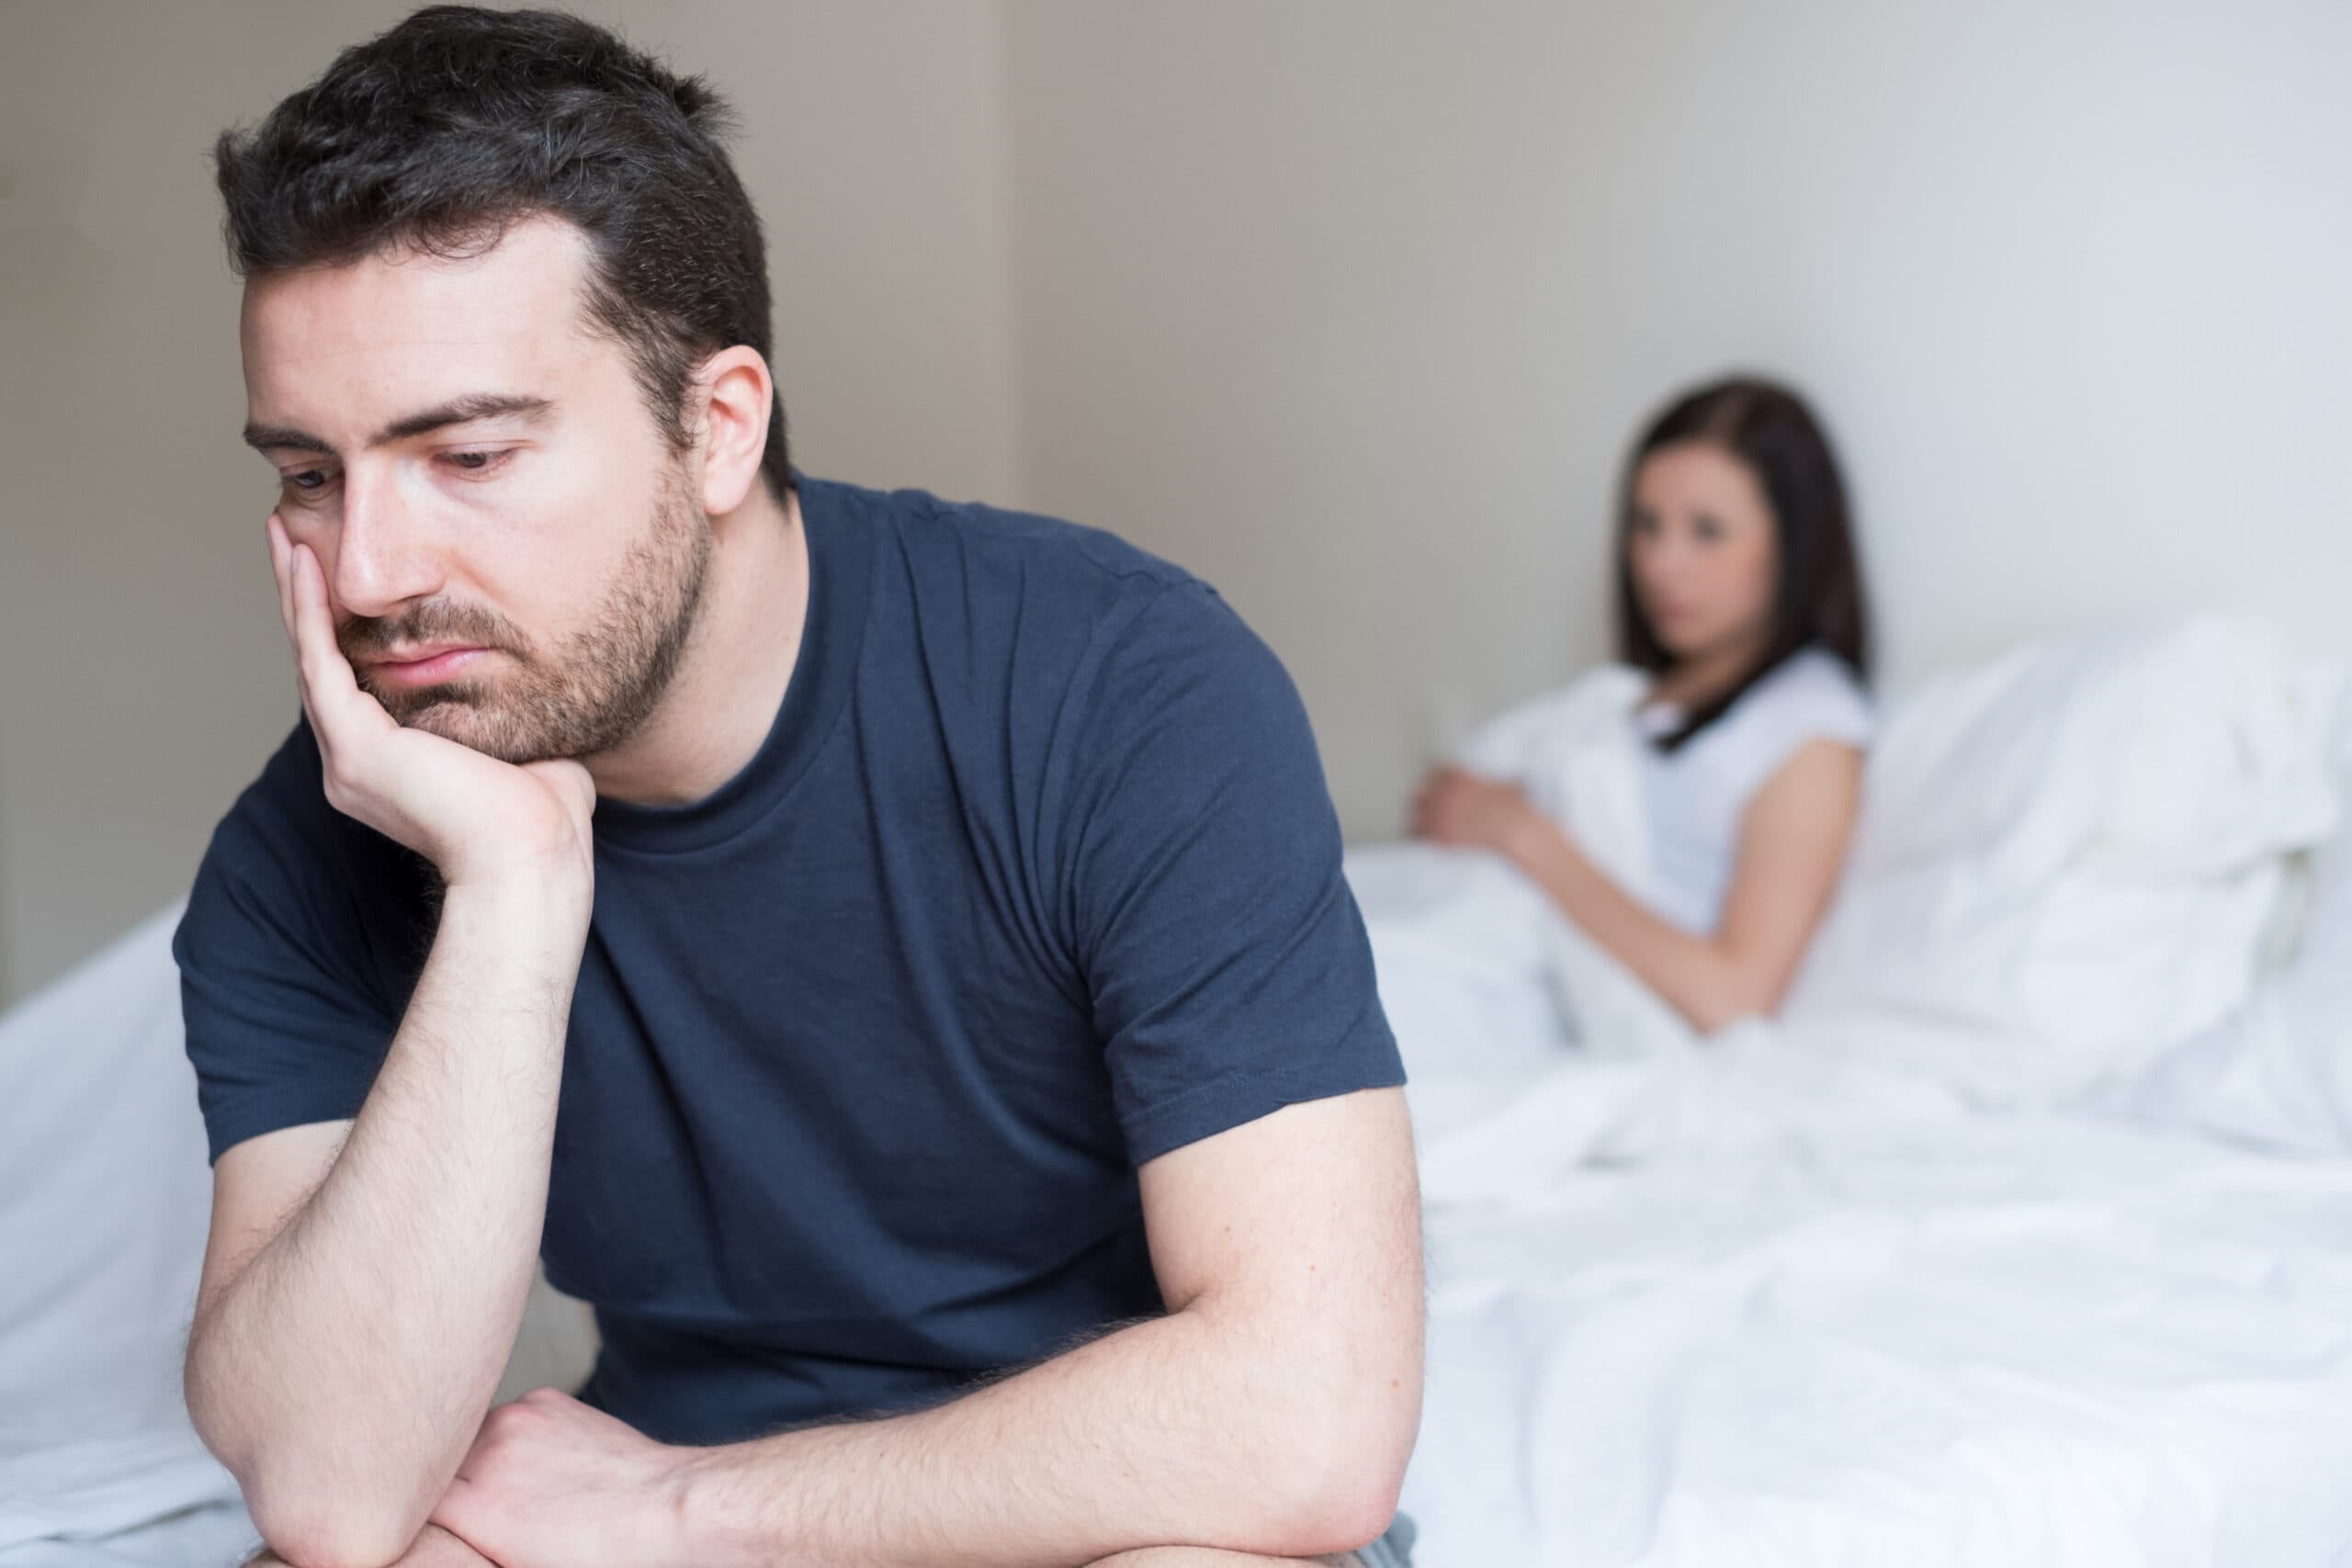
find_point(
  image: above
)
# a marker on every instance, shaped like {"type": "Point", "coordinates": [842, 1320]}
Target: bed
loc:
{"type": "Point", "coordinates": [2023, 1236]}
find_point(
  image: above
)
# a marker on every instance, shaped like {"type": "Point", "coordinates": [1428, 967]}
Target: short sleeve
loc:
{"type": "Point", "coordinates": [1227, 965]}
{"type": "Point", "coordinates": [286, 1014]}
{"type": "Point", "coordinates": [1812, 697]}
{"type": "Point", "coordinates": [1821, 701]}
{"type": "Point", "coordinates": [1826, 703]}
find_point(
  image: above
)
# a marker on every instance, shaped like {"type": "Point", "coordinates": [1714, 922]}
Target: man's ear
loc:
{"type": "Point", "coordinates": [737, 399]}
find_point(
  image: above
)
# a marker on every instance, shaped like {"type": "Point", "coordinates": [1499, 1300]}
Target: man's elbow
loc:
{"type": "Point", "coordinates": [1346, 1461]}
{"type": "Point", "coordinates": [315, 1533]}
{"type": "Point", "coordinates": [1349, 1512]}
{"type": "Point", "coordinates": [312, 1519]}
{"type": "Point", "coordinates": [301, 1496]}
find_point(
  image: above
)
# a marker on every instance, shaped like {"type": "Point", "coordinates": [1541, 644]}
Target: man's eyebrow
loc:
{"type": "Point", "coordinates": [456, 411]}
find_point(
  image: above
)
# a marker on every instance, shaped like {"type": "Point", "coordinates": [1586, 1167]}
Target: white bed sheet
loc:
{"type": "Point", "coordinates": [1842, 1327]}
{"type": "Point", "coordinates": [104, 1194]}
{"type": "Point", "coordinates": [217, 1535]}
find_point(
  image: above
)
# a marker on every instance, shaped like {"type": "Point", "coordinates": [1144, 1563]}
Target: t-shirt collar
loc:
{"type": "Point", "coordinates": [839, 572]}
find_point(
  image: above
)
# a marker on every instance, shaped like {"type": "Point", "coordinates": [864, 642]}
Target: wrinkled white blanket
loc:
{"type": "Point", "coordinates": [1481, 975]}
{"type": "Point", "coordinates": [1965, 1341]}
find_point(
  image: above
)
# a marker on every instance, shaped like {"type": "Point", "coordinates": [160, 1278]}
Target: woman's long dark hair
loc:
{"type": "Point", "coordinates": [1819, 598]}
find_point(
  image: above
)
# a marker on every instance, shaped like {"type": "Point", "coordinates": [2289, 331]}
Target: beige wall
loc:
{"type": "Point", "coordinates": [1348, 304]}
{"type": "Point", "coordinates": [1351, 306]}
{"type": "Point", "coordinates": [143, 677]}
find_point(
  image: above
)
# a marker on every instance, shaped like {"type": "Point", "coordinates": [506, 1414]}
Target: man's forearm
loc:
{"type": "Point", "coordinates": [344, 1370]}
{"type": "Point", "coordinates": [1183, 1429]}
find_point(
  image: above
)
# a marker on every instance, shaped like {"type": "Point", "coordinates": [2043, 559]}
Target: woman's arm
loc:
{"type": "Point", "coordinates": [1791, 842]}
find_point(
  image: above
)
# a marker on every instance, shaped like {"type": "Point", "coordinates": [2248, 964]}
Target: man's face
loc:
{"type": "Point", "coordinates": [553, 547]}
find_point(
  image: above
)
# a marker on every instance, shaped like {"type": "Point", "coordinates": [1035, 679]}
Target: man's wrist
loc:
{"type": "Point", "coordinates": [712, 1510]}
{"type": "Point", "coordinates": [535, 910]}
{"type": "Point", "coordinates": [549, 889]}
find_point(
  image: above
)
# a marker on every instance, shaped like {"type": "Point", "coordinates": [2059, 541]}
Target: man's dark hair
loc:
{"type": "Point", "coordinates": [1819, 600]}
{"type": "Point", "coordinates": [438, 134]}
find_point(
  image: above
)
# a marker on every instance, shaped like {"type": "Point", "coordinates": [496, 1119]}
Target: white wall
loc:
{"type": "Point", "coordinates": [143, 677]}
{"type": "Point", "coordinates": [1353, 307]}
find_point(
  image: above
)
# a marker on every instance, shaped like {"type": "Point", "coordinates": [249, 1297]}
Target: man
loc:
{"type": "Point", "coordinates": [889, 956]}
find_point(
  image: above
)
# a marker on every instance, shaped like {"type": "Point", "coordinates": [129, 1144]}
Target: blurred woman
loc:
{"type": "Point", "coordinates": [1740, 594]}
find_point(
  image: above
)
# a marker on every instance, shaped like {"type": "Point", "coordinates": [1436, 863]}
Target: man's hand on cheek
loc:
{"type": "Point", "coordinates": [476, 818]}
{"type": "Point", "coordinates": [551, 1483]}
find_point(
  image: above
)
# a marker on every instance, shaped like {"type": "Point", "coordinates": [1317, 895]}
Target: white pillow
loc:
{"type": "Point", "coordinates": [2279, 1071]}
{"type": "Point", "coordinates": [2315, 984]}
{"type": "Point", "coordinates": [2065, 861]}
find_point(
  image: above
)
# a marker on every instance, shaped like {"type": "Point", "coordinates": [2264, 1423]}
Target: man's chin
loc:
{"type": "Point", "coordinates": [471, 723]}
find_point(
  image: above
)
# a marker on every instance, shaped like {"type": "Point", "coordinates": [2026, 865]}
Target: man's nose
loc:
{"type": "Point", "coordinates": [384, 555]}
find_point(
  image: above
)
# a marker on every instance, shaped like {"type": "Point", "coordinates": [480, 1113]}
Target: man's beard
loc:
{"type": "Point", "coordinates": [592, 695]}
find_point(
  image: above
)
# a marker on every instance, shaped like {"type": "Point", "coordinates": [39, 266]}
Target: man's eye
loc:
{"type": "Point", "coordinates": [296, 480]}
{"type": "Point", "coordinates": [476, 462]}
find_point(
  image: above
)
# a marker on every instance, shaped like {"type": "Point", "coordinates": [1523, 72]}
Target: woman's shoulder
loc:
{"type": "Point", "coordinates": [1811, 694]}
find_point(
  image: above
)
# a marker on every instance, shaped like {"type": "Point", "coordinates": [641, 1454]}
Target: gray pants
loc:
{"type": "Point", "coordinates": [1393, 1549]}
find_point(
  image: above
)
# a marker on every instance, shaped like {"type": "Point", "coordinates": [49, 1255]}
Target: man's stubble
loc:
{"type": "Point", "coordinates": [601, 684]}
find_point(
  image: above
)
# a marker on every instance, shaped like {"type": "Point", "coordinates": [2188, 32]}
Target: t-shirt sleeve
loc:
{"type": "Point", "coordinates": [1228, 967]}
{"type": "Point", "coordinates": [1830, 705]}
{"type": "Point", "coordinates": [287, 1020]}
{"type": "Point", "coordinates": [1813, 698]}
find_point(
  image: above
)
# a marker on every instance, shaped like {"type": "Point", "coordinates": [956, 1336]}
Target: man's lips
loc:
{"type": "Point", "coordinates": [425, 671]}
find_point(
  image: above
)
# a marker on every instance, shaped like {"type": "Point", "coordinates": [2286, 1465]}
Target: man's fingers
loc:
{"type": "Point", "coordinates": [281, 567]}
{"type": "Point", "coordinates": [314, 626]}
{"type": "Point", "coordinates": [570, 775]}
{"type": "Point", "coordinates": [332, 691]}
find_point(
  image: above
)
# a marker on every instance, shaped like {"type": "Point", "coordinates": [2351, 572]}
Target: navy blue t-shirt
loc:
{"type": "Point", "coordinates": [1035, 877]}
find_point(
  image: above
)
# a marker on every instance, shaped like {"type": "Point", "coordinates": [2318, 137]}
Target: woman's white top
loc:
{"type": "Point", "coordinates": [1697, 795]}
